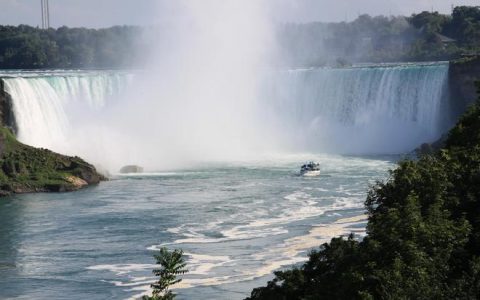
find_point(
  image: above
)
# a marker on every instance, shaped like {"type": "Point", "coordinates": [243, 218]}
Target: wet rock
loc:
{"type": "Point", "coordinates": [131, 169]}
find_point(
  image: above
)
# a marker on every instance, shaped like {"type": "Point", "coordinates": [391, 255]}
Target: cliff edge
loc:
{"type": "Point", "coordinates": [463, 73]}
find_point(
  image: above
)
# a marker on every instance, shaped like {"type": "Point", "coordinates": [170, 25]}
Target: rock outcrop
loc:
{"type": "Point", "coordinates": [25, 169]}
{"type": "Point", "coordinates": [131, 169]}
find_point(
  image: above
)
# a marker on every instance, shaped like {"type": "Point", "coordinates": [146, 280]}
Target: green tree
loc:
{"type": "Point", "coordinates": [465, 25]}
{"type": "Point", "coordinates": [33, 48]}
{"type": "Point", "coordinates": [431, 22]}
{"type": "Point", "coordinates": [171, 264]}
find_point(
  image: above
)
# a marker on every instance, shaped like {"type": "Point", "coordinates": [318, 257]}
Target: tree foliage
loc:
{"type": "Point", "coordinates": [26, 47]}
{"type": "Point", "coordinates": [171, 264]}
{"type": "Point", "coordinates": [420, 37]}
{"type": "Point", "coordinates": [365, 39]}
{"type": "Point", "coordinates": [423, 237]}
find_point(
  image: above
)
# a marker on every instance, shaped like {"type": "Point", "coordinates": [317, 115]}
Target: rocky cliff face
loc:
{"type": "Point", "coordinates": [25, 169]}
{"type": "Point", "coordinates": [7, 118]}
{"type": "Point", "coordinates": [463, 75]}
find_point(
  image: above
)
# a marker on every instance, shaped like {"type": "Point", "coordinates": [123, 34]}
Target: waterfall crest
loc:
{"type": "Point", "coordinates": [370, 109]}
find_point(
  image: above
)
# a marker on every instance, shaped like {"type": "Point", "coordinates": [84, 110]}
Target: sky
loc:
{"type": "Point", "coordinates": [106, 13]}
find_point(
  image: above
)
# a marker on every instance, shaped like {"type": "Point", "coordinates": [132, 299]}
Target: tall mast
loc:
{"type": "Point", "coordinates": [48, 14]}
{"type": "Point", "coordinates": [45, 14]}
{"type": "Point", "coordinates": [43, 17]}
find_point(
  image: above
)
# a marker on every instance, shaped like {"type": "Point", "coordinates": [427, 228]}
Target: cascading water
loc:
{"type": "Point", "coordinates": [370, 109]}
{"type": "Point", "coordinates": [47, 104]}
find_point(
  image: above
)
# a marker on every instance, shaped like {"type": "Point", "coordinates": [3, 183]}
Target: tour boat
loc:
{"type": "Point", "coordinates": [311, 169]}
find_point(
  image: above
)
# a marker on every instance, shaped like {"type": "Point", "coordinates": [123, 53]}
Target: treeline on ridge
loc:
{"type": "Point", "coordinates": [425, 36]}
{"type": "Point", "coordinates": [423, 234]}
{"type": "Point", "coordinates": [26, 47]}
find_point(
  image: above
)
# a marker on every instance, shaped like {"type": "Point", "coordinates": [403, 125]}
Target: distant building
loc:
{"type": "Point", "coordinates": [444, 39]}
{"type": "Point", "coordinates": [440, 38]}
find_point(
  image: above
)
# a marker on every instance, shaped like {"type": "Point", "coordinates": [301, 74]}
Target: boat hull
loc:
{"type": "Point", "coordinates": [310, 173]}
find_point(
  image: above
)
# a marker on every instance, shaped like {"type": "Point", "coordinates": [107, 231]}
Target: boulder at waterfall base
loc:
{"type": "Point", "coordinates": [131, 169]}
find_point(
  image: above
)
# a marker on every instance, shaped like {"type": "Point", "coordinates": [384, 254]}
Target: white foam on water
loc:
{"type": "Point", "coordinates": [121, 269]}
{"type": "Point", "coordinates": [202, 264]}
{"type": "Point", "coordinates": [304, 206]}
{"type": "Point", "coordinates": [300, 206]}
{"type": "Point", "coordinates": [234, 234]}
{"type": "Point", "coordinates": [198, 264]}
{"type": "Point", "coordinates": [292, 250]}
{"type": "Point", "coordinates": [289, 252]}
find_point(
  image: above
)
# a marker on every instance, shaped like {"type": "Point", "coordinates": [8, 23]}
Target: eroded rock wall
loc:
{"type": "Point", "coordinates": [463, 74]}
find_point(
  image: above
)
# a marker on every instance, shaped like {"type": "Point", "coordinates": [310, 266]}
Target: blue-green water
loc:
{"type": "Point", "coordinates": [236, 223]}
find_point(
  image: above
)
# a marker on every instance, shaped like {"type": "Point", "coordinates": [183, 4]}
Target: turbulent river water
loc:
{"type": "Point", "coordinates": [237, 220]}
{"type": "Point", "coordinates": [236, 223]}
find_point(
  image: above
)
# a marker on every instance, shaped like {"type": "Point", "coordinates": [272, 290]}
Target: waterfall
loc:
{"type": "Point", "coordinates": [369, 109]}
{"type": "Point", "coordinates": [46, 105]}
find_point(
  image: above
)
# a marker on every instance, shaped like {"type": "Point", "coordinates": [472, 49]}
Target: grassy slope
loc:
{"type": "Point", "coordinates": [26, 169]}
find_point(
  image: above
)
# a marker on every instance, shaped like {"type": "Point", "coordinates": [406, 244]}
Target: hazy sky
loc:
{"type": "Point", "coordinates": [104, 13]}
